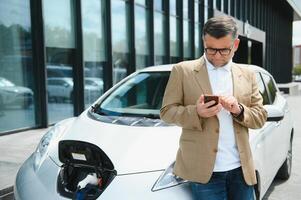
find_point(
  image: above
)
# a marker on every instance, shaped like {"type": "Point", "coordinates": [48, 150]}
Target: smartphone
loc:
{"type": "Point", "coordinates": [208, 98]}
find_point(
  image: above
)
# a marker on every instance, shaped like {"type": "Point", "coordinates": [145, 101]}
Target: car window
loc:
{"type": "Point", "coordinates": [141, 95]}
{"type": "Point", "coordinates": [269, 82]}
{"type": "Point", "coordinates": [262, 89]}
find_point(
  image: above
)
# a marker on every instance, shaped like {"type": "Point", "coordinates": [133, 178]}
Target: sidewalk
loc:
{"type": "Point", "coordinates": [15, 149]}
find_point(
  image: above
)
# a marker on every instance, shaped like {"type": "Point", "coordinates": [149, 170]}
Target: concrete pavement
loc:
{"type": "Point", "coordinates": [14, 150]}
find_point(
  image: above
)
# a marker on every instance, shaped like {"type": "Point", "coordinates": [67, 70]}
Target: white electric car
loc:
{"type": "Point", "coordinates": [120, 149]}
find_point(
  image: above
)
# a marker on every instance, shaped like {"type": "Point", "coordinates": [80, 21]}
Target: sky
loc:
{"type": "Point", "coordinates": [297, 33]}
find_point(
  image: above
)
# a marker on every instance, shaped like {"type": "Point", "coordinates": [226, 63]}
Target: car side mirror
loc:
{"type": "Point", "coordinates": [274, 113]}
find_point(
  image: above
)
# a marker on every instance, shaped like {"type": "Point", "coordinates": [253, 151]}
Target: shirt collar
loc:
{"type": "Point", "coordinates": [210, 67]}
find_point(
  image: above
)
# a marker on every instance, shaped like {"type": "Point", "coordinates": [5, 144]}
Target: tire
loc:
{"type": "Point", "coordinates": [286, 169]}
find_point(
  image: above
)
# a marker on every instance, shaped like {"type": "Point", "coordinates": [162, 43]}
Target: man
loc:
{"type": "Point", "coordinates": [214, 153]}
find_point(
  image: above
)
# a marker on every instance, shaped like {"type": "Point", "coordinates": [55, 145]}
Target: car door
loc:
{"type": "Point", "coordinates": [260, 138]}
{"type": "Point", "coordinates": [276, 135]}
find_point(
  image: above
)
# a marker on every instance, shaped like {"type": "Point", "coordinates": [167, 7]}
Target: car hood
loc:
{"type": "Point", "coordinates": [131, 149]}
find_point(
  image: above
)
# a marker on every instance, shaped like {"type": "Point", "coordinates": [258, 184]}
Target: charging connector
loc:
{"type": "Point", "coordinates": [90, 179]}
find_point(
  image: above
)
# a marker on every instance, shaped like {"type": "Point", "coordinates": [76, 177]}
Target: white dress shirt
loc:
{"type": "Point", "coordinates": [227, 157]}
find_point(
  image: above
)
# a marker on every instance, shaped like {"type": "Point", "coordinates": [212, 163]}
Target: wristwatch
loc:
{"type": "Point", "coordinates": [241, 111]}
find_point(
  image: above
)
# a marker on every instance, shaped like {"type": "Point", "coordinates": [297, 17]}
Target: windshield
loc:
{"type": "Point", "coordinates": [139, 96]}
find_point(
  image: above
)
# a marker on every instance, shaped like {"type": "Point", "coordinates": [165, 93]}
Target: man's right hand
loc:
{"type": "Point", "coordinates": [204, 110]}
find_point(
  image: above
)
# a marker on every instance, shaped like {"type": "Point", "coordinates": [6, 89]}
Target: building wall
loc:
{"type": "Point", "coordinates": [65, 53]}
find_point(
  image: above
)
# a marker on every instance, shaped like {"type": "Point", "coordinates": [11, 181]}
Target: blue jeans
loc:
{"type": "Point", "coordinates": [229, 185]}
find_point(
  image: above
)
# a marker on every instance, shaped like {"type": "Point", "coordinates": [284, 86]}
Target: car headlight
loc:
{"type": "Point", "coordinates": [47, 140]}
{"type": "Point", "coordinates": [168, 179]}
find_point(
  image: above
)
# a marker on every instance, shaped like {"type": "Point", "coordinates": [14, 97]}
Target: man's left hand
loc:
{"type": "Point", "coordinates": [230, 103]}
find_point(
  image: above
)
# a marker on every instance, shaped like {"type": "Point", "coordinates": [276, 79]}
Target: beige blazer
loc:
{"type": "Point", "coordinates": [198, 142]}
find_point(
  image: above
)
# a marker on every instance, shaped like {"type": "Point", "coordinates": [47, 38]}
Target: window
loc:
{"type": "Point", "coordinates": [269, 82]}
{"type": "Point", "coordinates": [174, 32]}
{"type": "Point", "coordinates": [159, 5]}
{"type": "Point", "coordinates": [187, 24]}
{"type": "Point", "coordinates": [141, 37]}
{"type": "Point", "coordinates": [120, 39]}
{"type": "Point", "coordinates": [17, 83]}
{"type": "Point", "coordinates": [197, 30]}
{"type": "Point", "coordinates": [94, 48]}
{"type": "Point", "coordinates": [186, 39]}
{"type": "Point", "coordinates": [262, 89]}
{"type": "Point", "coordinates": [159, 46]}
{"type": "Point", "coordinates": [60, 44]}
{"type": "Point", "coordinates": [141, 2]}
{"type": "Point", "coordinates": [173, 7]}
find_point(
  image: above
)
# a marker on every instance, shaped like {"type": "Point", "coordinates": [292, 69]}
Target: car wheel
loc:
{"type": "Point", "coordinates": [286, 168]}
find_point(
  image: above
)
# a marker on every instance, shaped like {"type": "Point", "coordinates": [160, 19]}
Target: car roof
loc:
{"type": "Point", "coordinates": [168, 67]}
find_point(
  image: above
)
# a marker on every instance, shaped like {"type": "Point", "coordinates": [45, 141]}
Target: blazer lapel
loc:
{"type": "Point", "coordinates": [201, 76]}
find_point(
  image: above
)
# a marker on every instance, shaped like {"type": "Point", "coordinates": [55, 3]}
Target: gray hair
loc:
{"type": "Point", "coordinates": [220, 26]}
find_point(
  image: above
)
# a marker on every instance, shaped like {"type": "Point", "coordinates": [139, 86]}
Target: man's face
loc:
{"type": "Point", "coordinates": [224, 49]}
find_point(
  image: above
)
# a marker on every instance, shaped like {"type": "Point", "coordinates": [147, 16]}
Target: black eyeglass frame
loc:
{"type": "Point", "coordinates": [219, 50]}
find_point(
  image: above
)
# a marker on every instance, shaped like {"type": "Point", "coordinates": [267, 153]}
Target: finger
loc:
{"type": "Point", "coordinates": [220, 107]}
{"type": "Point", "coordinates": [200, 100]}
{"type": "Point", "coordinates": [223, 100]}
{"type": "Point", "coordinates": [214, 110]}
{"type": "Point", "coordinates": [228, 99]}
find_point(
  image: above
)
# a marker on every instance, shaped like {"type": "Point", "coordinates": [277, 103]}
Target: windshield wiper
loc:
{"type": "Point", "coordinates": [94, 107]}
{"type": "Point", "coordinates": [152, 116]}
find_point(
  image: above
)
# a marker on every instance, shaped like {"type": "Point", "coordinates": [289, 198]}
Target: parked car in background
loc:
{"type": "Point", "coordinates": [61, 88]}
{"type": "Point", "coordinates": [11, 94]}
{"type": "Point", "coordinates": [120, 149]}
{"type": "Point", "coordinates": [93, 81]}
{"type": "Point", "coordinates": [64, 71]}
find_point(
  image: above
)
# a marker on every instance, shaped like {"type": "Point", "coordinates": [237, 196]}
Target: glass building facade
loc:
{"type": "Point", "coordinates": [58, 56]}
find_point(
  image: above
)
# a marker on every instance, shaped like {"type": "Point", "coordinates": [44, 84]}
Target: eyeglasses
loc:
{"type": "Point", "coordinates": [223, 52]}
